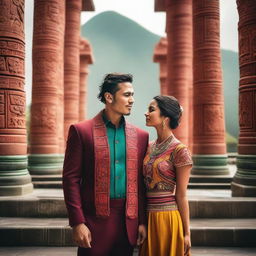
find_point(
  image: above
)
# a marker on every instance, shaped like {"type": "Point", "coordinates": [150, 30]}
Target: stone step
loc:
{"type": "Point", "coordinates": [47, 181]}
{"type": "Point", "coordinates": [204, 185]}
{"type": "Point", "coordinates": [71, 251]}
{"type": "Point", "coordinates": [56, 232]}
{"type": "Point", "coordinates": [56, 177]}
{"type": "Point", "coordinates": [192, 185]}
{"type": "Point", "coordinates": [212, 181]}
{"type": "Point", "coordinates": [47, 184]}
{"type": "Point", "coordinates": [234, 207]}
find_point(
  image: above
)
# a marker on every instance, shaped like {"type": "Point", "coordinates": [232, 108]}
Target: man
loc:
{"type": "Point", "coordinates": [102, 175]}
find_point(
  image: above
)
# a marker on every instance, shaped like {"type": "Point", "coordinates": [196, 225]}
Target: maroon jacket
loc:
{"type": "Point", "coordinates": [79, 174]}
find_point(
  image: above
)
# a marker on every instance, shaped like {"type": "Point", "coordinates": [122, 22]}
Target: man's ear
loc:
{"type": "Point", "coordinates": [108, 97]}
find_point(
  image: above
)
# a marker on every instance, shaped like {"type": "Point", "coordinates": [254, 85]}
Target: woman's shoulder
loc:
{"type": "Point", "coordinates": [181, 155]}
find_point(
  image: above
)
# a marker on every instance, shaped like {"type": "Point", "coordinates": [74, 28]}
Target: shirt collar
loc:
{"type": "Point", "coordinates": [108, 122]}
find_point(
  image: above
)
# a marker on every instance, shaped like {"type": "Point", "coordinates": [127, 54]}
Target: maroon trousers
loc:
{"type": "Point", "coordinates": [109, 235]}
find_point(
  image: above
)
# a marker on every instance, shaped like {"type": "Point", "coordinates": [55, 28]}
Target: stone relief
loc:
{"type": "Point", "coordinates": [245, 110]}
{"type": "Point", "coordinates": [44, 117]}
{"type": "Point", "coordinates": [213, 119]}
{"type": "Point", "coordinates": [16, 110]}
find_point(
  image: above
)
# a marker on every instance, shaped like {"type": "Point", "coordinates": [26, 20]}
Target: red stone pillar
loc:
{"type": "Point", "coordinates": [71, 63]}
{"type": "Point", "coordinates": [160, 56]}
{"type": "Point", "coordinates": [209, 146]}
{"type": "Point", "coordinates": [48, 43]}
{"type": "Point", "coordinates": [179, 58]}
{"type": "Point", "coordinates": [86, 58]}
{"type": "Point", "coordinates": [244, 182]}
{"type": "Point", "coordinates": [14, 176]}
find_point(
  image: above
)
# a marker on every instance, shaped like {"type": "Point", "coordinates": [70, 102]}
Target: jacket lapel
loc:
{"type": "Point", "coordinates": [102, 169]}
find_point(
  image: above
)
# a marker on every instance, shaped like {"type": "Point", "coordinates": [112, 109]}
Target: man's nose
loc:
{"type": "Point", "coordinates": [131, 99]}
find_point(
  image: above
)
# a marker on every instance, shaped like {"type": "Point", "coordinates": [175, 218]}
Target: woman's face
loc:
{"type": "Point", "coordinates": [153, 115]}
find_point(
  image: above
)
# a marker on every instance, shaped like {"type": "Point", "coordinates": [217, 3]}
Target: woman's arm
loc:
{"type": "Point", "coordinates": [182, 179]}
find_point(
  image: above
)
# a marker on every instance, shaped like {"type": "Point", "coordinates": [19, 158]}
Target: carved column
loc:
{"type": "Point", "coordinates": [209, 146]}
{"type": "Point", "coordinates": [179, 58]}
{"type": "Point", "coordinates": [14, 176]}
{"type": "Point", "coordinates": [48, 43]}
{"type": "Point", "coordinates": [160, 56]}
{"type": "Point", "coordinates": [86, 58]}
{"type": "Point", "coordinates": [244, 182]}
{"type": "Point", "coordinates": [71, 63]}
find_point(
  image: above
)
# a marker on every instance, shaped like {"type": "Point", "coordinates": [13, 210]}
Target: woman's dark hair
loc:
{"type": "Point", "coordinates": [169, 107]}
{"type": "Point", "coordinates": [110, 84]}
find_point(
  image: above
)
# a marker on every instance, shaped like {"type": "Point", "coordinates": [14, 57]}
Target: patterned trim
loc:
{"type": "Point", "coordinates": [102, 169]}
{"type": "Point", "coordinates": [161, 207]}
{"type": "Point", "coordinates": [161, 201]}
{"type": "Point", "coordinates": [131, 171]}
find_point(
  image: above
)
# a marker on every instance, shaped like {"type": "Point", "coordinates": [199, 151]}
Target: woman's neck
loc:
{"type": "Point", "coordinates": [163, 134]}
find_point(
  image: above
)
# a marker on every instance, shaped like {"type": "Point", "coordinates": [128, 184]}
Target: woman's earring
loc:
{"type": "Point", "coordinates": [163, 124]}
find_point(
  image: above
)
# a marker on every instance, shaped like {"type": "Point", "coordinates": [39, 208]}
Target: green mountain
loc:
{"type": "Point", "coordinates": [121, 45]}
{"type": "Point", "coordinates": [230, 69]}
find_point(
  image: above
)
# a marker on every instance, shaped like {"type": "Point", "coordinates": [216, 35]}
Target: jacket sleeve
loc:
{"type": "Point", "coordinates": [142, 188]}
{"type": "Point", "coordinates": [72, 175]}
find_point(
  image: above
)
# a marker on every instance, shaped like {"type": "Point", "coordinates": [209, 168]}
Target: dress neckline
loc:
{"type": "Point", "coordinates": [159, 148]}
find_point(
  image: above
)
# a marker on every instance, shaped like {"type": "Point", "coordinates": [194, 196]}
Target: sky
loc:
{"type": "Point", "coordinates": [142, 12]}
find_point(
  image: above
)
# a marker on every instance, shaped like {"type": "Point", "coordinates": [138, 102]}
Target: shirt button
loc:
{"type": "Point", "coordinates": [117, 161]}
{"type": "Point", "coordinates": [117, 141]}
{"type": "Point", "coordinates": [117, 177]}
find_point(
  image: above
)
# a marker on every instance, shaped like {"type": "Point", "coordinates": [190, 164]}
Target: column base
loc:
{"type": "Point", "coordinates": [46, 170]}
{"type": "Point", "coordinates": [45, 164]}
{"type": "Point", "coordinates": [210, 165]}
{"type": "Point", "coordinates": [244, 181]}
{"type": "Point", "coordinates": [14, 177]}
{"type": "Point", "coordinates": [16, 190]}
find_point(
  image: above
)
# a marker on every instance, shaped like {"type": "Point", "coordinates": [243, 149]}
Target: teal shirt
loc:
{"type": "Point", "coordinates": [117, 147]}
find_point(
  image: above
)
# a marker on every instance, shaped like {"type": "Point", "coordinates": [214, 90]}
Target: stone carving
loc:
{"type": "Point", "coordinates": [44, 118]}
{"type": "Point", "coordinates": [179, 58]}
{"type": "Point", "coordinates": [209, 126]}
{"type": "Point", "coordinates": [245, 178]}
{"type": "Point", "coordinates": [71, 64]}
{"type": "Point", "coordinates": [213, 118]}
{"type": "Point", "coordinates": [48, 45]}
{"type": "Point", "coordinates": [245, 113]}
{"type": "Point", "coordinates": [86, 58]}
{"type": "Point", "coordinates": [12, 95]}
{"type": "Point", "coordinates": [160, 55]}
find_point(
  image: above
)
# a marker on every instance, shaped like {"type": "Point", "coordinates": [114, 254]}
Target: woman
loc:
{"type": "Point", "coordinates": [166, 173]}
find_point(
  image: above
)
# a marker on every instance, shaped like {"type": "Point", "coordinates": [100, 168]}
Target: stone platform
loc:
{"type": "Point", "coordinates": [71, 251]}
{"type": "Point", "coordinates": [40, 219]}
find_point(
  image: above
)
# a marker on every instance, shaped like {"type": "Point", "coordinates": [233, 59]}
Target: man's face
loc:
{"type": "Point", "coordinates": [123, 99]}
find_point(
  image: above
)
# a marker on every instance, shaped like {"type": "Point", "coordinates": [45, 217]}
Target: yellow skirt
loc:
{"type": "Point", "coordinates": [165, 235]}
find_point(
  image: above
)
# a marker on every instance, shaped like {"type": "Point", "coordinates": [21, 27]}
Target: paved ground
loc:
{"type": "Point", "coordinates": [71, 251]}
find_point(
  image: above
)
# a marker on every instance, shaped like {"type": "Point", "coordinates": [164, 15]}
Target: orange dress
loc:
{"type": "Point", "coordinates": [165, 231]}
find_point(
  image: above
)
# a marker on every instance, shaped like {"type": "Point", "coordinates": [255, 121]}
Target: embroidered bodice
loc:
{"type": "Point", "coordinates": [159, 169]}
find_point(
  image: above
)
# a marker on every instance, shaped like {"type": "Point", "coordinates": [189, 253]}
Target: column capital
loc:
{"type": "Point", "coordinates": [86, 50]}
{"type": "Point", "coordinates": [88, 5]}
{"type": "Point", "coordinates": [160, 51]}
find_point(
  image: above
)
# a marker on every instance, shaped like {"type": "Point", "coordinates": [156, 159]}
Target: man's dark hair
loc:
{"type": "Point", "coordinates": [169, 107]}
{"type": "Point", "coordinates": [110, 84]}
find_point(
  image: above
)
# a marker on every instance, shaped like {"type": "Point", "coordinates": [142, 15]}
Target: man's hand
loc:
{"type": "Point", "coordinates": [82, 235]}
{"type": "Point", "coordinates": [142, 234]}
